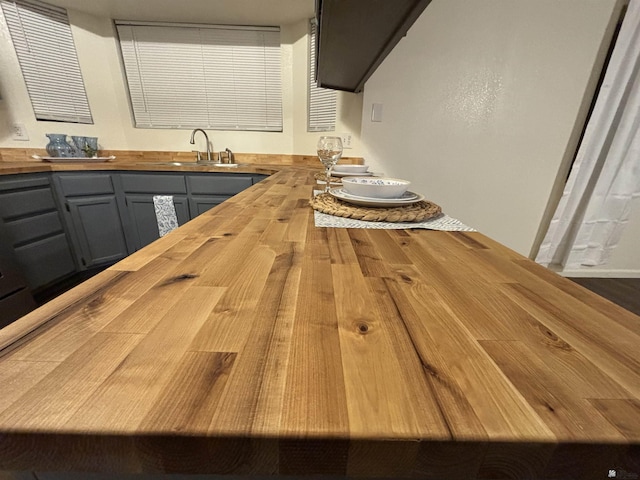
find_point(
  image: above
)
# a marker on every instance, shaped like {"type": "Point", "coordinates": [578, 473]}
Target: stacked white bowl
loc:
{"type": "Point", "coordinates": [375, 187]}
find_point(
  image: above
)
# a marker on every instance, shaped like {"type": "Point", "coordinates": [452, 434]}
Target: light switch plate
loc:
{"type": "Point", "coordinates": [376, 112]}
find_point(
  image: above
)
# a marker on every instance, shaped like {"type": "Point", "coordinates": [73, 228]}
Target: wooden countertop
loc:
{"type": "Point", "coordinates": [10, 168]}
{"type": "Point", "coordinates": [251, 342]}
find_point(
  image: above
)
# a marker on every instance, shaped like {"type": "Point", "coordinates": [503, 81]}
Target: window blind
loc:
{"type": "Point", "coordinates": [322, 101]}
{"type": "Point", "coordinates": [219, 77]}
{"type": "Point", "coordinates": [42, 38]}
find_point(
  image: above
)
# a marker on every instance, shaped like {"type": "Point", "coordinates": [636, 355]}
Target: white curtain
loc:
{"type": "Point", "coordinates": [595, 205]}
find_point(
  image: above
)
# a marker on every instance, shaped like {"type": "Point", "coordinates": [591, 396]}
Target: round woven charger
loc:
{"type": "Point", "coordinates": [323, 177]}
{"type": "Point", "coordinates": [416, 212]}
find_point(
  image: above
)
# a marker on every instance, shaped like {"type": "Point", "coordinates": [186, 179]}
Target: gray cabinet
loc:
{"type": "Point", "coordinates": [54, 225]}
{"type": "Point", "coordinates": [208, 190]}
{"type": "Point", "coordinates": [15, 296]}
{"type": "Point", "coordinates": [141, 210]}
{"type": "Point", "coordinates": [32, 227]}
{"type": "Point", "coordinates": [93, 217]}
{"type": "Point", "coordinates": [138, 190]}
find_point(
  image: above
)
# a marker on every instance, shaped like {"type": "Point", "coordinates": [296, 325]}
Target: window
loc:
{"type": "Point", "coordinates": [322, 101]}
{"type": "Point", "coordinates": [209, 76]}
{"type": "Point", "coordinates": [47, 55]}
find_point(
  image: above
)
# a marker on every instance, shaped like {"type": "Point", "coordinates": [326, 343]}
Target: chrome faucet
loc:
{"type": "Point", "coordinates": [193, 141]}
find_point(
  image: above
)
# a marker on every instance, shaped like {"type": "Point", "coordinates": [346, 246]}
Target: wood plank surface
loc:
{"type": "Point", "coordinates": [251, 342]}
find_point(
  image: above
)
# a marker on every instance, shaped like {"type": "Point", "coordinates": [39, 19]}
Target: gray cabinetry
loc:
{"type": "Point", "coordinates": [32, 227]}
{"type": "Point", "coordinates": [52, 225]}
{"type": "Point", "coordinates": [15, 296]}
{"type": "Point", "coordinates": [139, 190]}
{"type": "Point", "coordinates": [208, 190]}
{"type": "Point", "coordinates": [93, 217]}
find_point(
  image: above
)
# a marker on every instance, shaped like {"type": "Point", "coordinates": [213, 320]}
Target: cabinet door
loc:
{"type": "Point", "coordinates": [143, 216]}
{"type": "Point", "coordinates": [96, 221]}
{"type": "Point", "coordinates": [200, 204]}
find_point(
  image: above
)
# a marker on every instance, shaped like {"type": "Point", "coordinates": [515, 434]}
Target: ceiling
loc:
{"type": "Point", "coordinates": [237, 12]}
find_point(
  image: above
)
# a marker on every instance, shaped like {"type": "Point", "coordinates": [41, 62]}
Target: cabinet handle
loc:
{"type": "Point", "coordinates": [66, 205]}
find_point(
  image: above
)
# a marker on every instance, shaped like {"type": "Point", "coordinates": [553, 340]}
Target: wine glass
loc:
{"type": "Point", "coordinates": [329, 152]}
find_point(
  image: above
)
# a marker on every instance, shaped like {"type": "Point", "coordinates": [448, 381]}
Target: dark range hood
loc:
{"type": "Point", "coordinates": [354, 36]}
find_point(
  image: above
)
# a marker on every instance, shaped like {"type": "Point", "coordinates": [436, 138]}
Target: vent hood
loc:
{"type": "Point", "coordinates": [354, 37]}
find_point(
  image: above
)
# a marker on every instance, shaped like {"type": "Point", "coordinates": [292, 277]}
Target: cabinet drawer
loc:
{"type": "Point", "coordinates": [15, 306]}
{"type": "Point", "coordinates": [31, 228]}
{"type": "Point", "coordinates": [85, 184]}
{"type": "Point", "coordinates": [218, 185]}
{"type": "Point", "coordinates": [16, 204]}
{"type": "Point", "coordinates": [20, 182]}
{"type": "Point", "coordinates": [10, 278]}
{"type": "Point", "coordinates": [199, 205]}
{"type": "Point", "coordinates": [45, 261]}
{"type": "Point", "coordinates": [258, 178]}
{"type": "Point", "coordinates": [155, 183]}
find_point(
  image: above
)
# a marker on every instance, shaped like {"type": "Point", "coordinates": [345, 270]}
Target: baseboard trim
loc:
{"type": "Point", "coordinates": [599, 273]}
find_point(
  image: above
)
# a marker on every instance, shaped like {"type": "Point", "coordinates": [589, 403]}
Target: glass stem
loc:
{"type": "Point", "coordinates": [328, 178]}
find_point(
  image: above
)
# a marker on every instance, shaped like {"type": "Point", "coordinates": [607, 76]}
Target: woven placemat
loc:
{"type": "Point", "coordinates": [416, 212]}
{"type": "Point", "coordinates": [323, 177]}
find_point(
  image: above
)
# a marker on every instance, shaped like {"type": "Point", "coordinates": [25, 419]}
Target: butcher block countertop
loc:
{"type": "Point", "coordinates": [249, 341]}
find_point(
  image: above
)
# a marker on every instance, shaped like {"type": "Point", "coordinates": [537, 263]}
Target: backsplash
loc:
{"type": "Point", "coordinates": [138, 156]}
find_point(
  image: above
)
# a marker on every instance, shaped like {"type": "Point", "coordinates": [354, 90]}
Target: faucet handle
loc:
{"type": "Point", "coordinates": [198, 155]}
{"type": "Point", "coordinates": [230, 156]}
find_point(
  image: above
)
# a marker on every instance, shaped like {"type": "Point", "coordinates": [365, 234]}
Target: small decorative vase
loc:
{"type": "Point", "coordinates": [80, 144]}
{"type": "Point", "coordinates": [58, 146]}
{"type": "Point", "coordinates": [91, 148]}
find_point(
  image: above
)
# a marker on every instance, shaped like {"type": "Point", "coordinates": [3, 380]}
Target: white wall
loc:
{"type": "Point", "coordinates": [96, 44]}
{"type": "Point", "coordinates": [480, 104]}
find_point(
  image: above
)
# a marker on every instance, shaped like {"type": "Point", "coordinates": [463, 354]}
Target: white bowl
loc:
{"type": "Point", "coordinates": [373, 187]}
{"type": "Point", "coordinates": [348, 168]}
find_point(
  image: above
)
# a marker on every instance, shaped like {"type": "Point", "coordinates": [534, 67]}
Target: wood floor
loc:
{"type": "Point", "coordinates": [623, 291]}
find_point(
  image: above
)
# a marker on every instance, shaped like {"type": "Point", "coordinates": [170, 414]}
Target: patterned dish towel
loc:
{"type": "Point", "coordinates": [165, 213]}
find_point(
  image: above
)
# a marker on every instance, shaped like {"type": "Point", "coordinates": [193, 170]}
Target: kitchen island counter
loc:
{"type": "Point", "coordinates": [248, 341]}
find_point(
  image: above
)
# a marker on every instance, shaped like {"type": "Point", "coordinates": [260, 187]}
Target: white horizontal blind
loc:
{"type": "Point", "coordinates": [322, 101]}
{"type": "Point", "coordinates": [219, 77]}
{"type": "Point", "coordinates": [42, 38]}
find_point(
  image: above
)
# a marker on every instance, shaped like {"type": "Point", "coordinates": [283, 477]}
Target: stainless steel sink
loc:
{"type": "Point", "coordinates": [223, 165]}
{"type": "Point", "coordinates": [194, 164]}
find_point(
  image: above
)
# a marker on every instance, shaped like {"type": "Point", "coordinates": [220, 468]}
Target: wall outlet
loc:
{"type": "Point", "coordinates": [19, 132]}
{"type": "Point", "coordinates": [346, 140]}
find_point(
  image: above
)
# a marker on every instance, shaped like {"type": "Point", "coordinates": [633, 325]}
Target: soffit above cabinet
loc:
{"type": "Point", "coordinates": [232, 12]}
{"type": "Point", "coordinates": [356, 35]}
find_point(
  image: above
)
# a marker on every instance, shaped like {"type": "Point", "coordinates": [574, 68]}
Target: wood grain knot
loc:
{"type": "Point", "coordinates": [430, 369]}
{"type": "Point", "coordinates": [96, 302]}
{"type": "Point", "coordinates": [363, 328]}
{"type": "Point", "coordinates": [179, 278]}
{"type": "Point", "coordinates": [555, 341]}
